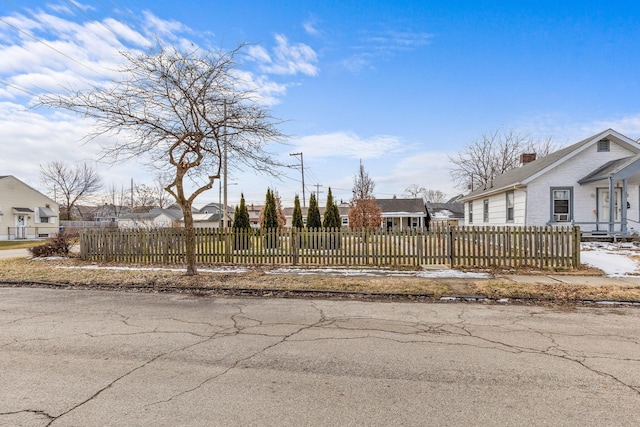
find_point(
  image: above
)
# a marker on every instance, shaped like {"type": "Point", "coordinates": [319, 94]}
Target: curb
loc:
{"type": "Point", "coordinates": [316, 294]}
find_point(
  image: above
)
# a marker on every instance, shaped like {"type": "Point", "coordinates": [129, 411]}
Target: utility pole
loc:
{"type": "Point", "coordinates": [318, 192]}
{"type": "Point", "coordinates": [224, 143]}
{"type": "Point", "coordinates": [304, 203]}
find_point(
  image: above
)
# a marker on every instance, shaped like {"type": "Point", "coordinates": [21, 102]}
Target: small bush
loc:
{"type": "Point", "coordinates": [60, 245]}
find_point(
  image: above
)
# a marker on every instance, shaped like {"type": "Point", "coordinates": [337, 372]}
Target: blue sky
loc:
{"type": "Point", "coordinates": [399, 84]}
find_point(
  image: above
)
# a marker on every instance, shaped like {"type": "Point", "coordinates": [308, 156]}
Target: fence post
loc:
{"type": "Point", "coordinates": [451, 262]}
{"type": "Point", "coordinates": [576, 250]}
{"type": "Point", "coordinates": [294, 246]}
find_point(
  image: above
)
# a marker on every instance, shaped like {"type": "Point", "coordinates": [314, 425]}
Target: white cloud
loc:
{"type": "Point", "coordinates": [286, 59]}
{"type": "Point", "coordinates": [348, 144]}
{"type": "Point", "coordinates": [398, 40]}
{"type": "Point", "coordinates": [30, 67]}
{"type": "Point", "coordinates": [429, 169]}
{"type": "Point", "coordinates": [564, 131]}
{"type": "Point", "coordinates": [382, 46]}
{"type": "Point", "coordinates": [627, 125]}
{"type": "Point", "coordinates": [310, 26]}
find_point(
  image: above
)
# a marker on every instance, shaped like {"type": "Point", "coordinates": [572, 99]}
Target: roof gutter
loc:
{"type": "Point", "coordinates": [491, 192]}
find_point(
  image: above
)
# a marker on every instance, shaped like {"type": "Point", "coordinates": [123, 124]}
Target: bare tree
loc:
{"type": "Point", "coordinates": [160, 182]}
{"type": "Point", "coordinates": [73, 183]}
{"type": "Point", "coordinates": [414, 191]}
{"type": "Point", "coordinates": [363, 210]}
{"type": "Point", "coordinates": [144, 197]}
{"type": "Point", "coordinates": [492, 155]}
{"type": "Point", "coordinates": [435, 196]}
{"type": "Point", "coordinates": [115, 201]}
{"type": "Point", "coordinates": [180, 111]}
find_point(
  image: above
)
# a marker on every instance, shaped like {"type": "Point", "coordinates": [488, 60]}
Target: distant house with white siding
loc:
{"type": "Point", "coordinates": [572, 186]}
{"type": "Point", "coordinates": [155, 218]}
{"type": "Point", "coordinates": [25, 213]}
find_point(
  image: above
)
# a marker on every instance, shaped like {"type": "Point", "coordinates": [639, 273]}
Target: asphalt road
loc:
{"type": "Point", "coordinates": [90, 358]}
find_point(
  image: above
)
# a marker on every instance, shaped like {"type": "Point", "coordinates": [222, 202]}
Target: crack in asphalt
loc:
{"type": "Point", "coordinates": [30, 411]}
{"type": "Point", "coordinates": [244, 359]}
{"type": "Point", "coordinates": [242, 322]}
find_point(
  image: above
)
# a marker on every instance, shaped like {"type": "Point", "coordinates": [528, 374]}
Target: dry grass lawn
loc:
{"type": "Point", "coordinates": [74, 272]}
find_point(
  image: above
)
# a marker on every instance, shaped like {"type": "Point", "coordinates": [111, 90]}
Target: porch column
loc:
{"type": "Point", "coordinates": [623, 214]}
{"type": "Point", "coordinates": [612, 206]}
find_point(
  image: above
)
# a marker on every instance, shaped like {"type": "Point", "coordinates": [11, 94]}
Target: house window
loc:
{"type": "Point", "coordinates": [44, 219]}
{"type": "Point", "coordinates": [510, 198]}
{"type": "Point", "coordinates": [470, 212]}
{"type": "Point", "coordinates": [603, 145]}
{"type": "Point", "coordinates": [561, 200]}
{"type": "Point", "coordinates": [345, 221]}
{"type": "Point", "coordinates": [485, 210]}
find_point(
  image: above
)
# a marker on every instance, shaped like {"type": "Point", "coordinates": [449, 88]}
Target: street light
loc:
{"type": "Point", "coordinates": [302, 167]}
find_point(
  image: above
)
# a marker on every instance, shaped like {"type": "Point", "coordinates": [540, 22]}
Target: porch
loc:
{"type": "Point", "coordinates": [610, 186]}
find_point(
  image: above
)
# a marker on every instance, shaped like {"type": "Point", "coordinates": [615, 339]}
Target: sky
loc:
{"type": "Point", "coordinates": [398, 85]}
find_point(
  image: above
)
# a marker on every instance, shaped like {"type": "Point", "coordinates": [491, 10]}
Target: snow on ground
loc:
{"type": "Point", "coordinates": [357, 271]}
{"type": "Point", "coordinates": [612, 258]}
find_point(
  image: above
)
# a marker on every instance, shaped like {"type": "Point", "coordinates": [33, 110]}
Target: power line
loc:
{"type": "Point", "coordinates": [51, 47]}
{"type": "Point", "coordinates": [20, 88]}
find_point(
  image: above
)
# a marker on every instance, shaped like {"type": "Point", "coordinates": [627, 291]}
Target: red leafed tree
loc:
{"type": "Point", "coordinates": [363, 210]}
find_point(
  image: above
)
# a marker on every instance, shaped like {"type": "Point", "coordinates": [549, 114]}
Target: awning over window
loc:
{"type": "Point", "coordinates": [46, 213]}
{"type": "Point", "coordinates": [22, 211]}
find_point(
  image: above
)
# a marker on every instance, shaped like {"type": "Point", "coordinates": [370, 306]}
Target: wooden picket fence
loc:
{"type": "Point", "coordinates": [542, 247]}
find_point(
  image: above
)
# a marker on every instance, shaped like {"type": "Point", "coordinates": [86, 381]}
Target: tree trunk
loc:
{"type": "Point", "coordinates": [189, 239]}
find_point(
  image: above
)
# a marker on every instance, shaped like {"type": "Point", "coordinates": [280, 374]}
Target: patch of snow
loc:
{"type": "Point", "coordinates": [612, 258]}
{"type": "Point", "coordinates": [440, 273]}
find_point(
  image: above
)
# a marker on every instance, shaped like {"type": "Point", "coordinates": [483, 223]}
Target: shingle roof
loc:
{"type": "Point", "coordinates": [401, 205]}
{"type": "Point", "coordinates": [622, 168]}
{"type": "Point", "coordinates": [153, 213]}
{"type": "Point", "coordinates": [457, 209]}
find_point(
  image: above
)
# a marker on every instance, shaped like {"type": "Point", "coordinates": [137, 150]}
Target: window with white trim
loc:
{"type": "Point", "coordinates": [485, 210]}
{"type": "Point", "coordinates": [561, 204]}
{"type": "Point", "coordinates": [510, 206]}
{"type": "Point", "coordinates": [470, 212]}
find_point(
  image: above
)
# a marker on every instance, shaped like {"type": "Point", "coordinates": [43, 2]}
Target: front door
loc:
{"type": "Point", "coordinates": [21, 227]}
{"type": "Point", "coordinates": [604, 202]}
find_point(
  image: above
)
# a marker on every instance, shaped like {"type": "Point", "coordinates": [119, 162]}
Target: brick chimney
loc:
{"type": "Point", "coordinates": [527, 158]}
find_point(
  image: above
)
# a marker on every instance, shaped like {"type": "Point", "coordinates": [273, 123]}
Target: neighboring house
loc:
{"type": "Point", "coordinates": [254, 214]}
{"type": "Point", "coordinates": [155, 218]}
{"type": "Point", "coordinates": [403, 214]}
{"type": "Point", "coordinates": [25, 213]}
{"type": "Point", "coordinates": [570, 186]}
{"type": "Point", "coordinates": [210, 216]}
{"type": "Point", "coordinates": [450, 212]}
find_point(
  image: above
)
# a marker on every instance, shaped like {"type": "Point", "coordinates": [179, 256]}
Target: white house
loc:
{"type": "Point", "coordinates": [155, 218]}
{"type": "Point", "coordinates": [450, 212]}
{"type": "Point", "coordinates": [25, 213]}
{"type": "Point", "coordinates": [403, 214]}
{"type": "Point", "coordinates": [567, 187]}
